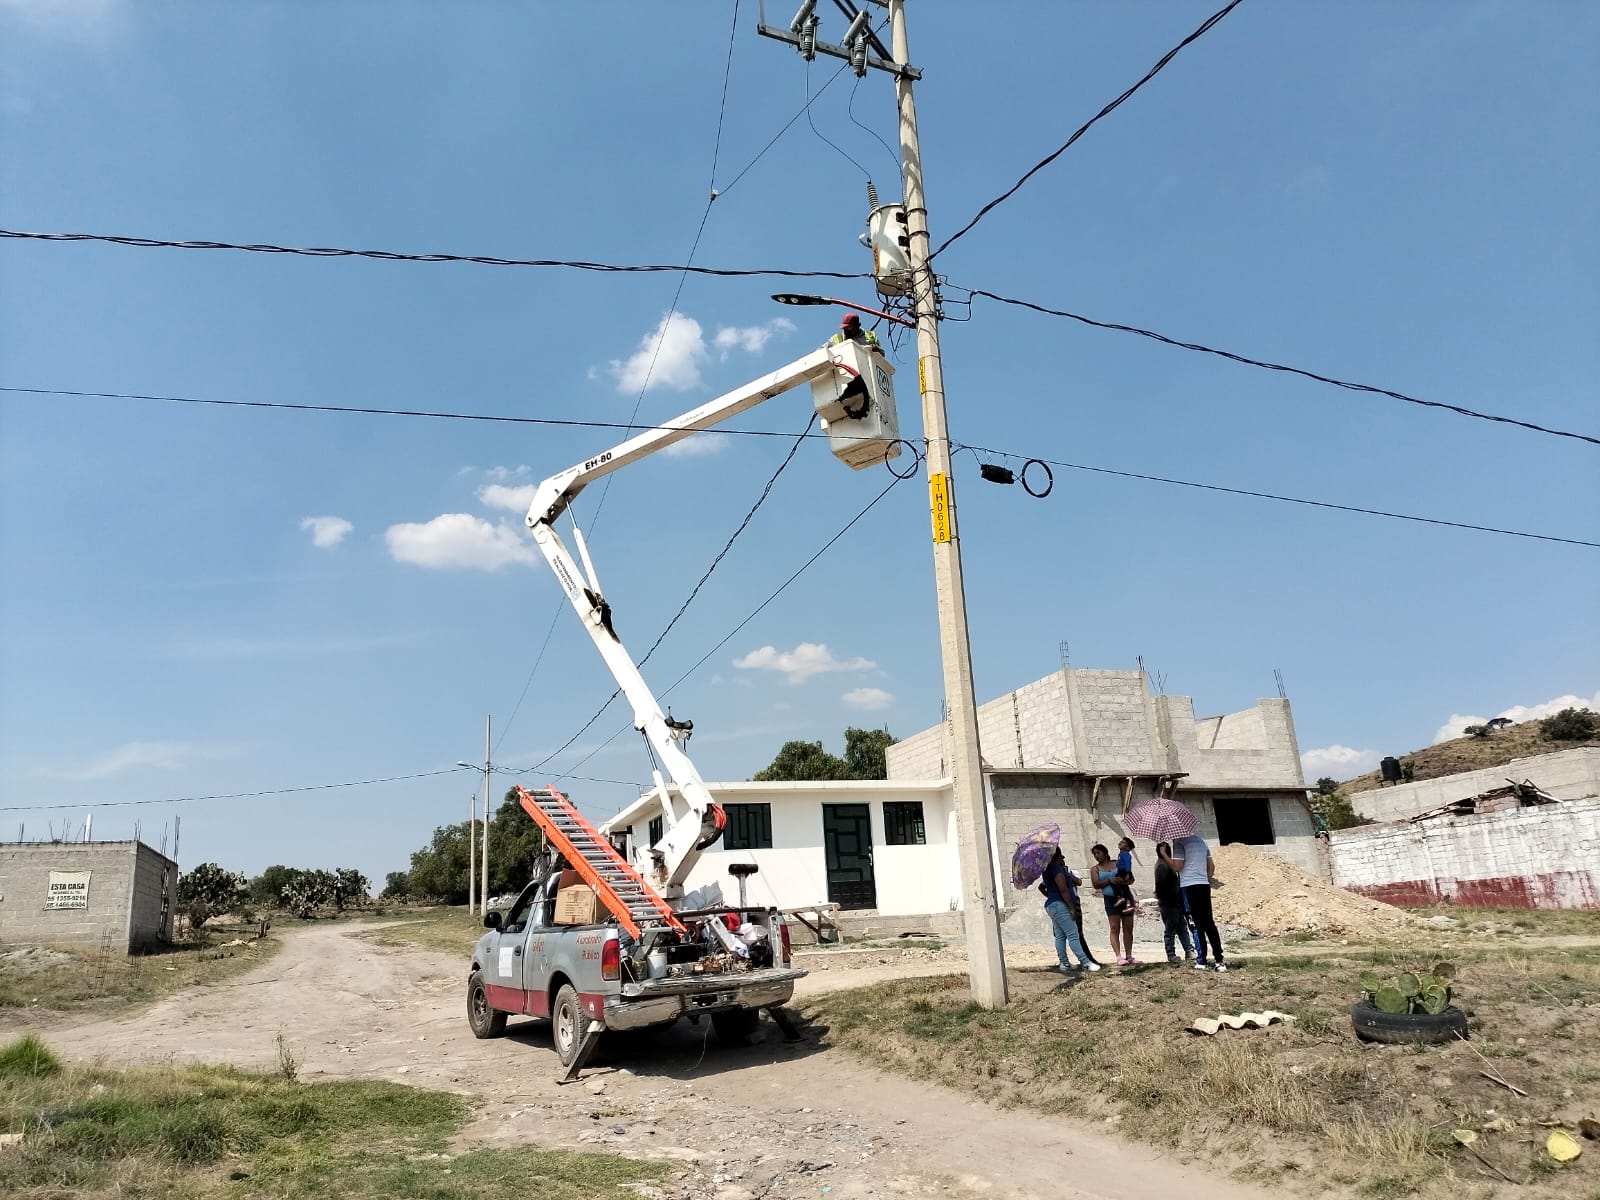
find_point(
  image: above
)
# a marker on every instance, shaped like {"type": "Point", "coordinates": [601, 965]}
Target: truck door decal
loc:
{"type": "Point", "coordinates": [503, 967]}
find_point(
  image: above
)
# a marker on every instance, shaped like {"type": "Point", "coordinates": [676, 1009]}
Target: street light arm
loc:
{"type": "Point", "coordinates": [814, 301]}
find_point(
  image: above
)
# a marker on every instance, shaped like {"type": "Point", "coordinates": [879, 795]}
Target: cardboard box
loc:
{"type": "Point", "coordinates": [578, 905]}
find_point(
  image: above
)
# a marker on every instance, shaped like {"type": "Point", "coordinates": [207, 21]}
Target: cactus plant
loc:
{"type": "Point", "coordinates": [1391, 999]}
{"type": "Point", "coordinates": [1434, 999]}
{"type": "Point", "coordinates": [1444, 971]}
{"type": "Point", "coordinates": [1410, 985]}
{"type": "Point", "coordinates": [1370, 982]}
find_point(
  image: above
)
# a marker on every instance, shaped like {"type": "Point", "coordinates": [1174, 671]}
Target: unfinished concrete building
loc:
{"type": "Point", "coordinates": [1079, 747]}
{"type": "Point", "coordinates": [106, 895]}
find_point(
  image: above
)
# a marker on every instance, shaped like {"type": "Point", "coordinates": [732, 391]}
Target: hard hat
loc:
{"type": "Point", "coordinates": [849, 320]}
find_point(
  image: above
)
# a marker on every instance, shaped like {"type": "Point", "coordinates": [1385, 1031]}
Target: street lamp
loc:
{"type": "Point", "coordinates": [812, 301]}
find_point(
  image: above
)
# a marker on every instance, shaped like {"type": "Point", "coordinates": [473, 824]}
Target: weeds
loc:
{"type": "Point", "coordinates": [28, 1056]}
{"type": "Point", "coordinates": [288, 1064]}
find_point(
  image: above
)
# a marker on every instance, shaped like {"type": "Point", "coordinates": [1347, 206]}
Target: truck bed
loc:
{"type": "Point", "coordinates": [711, 983]}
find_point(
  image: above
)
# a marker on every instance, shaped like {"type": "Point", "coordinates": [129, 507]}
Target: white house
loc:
{"type": "Point", "coordinates": [886, 846]}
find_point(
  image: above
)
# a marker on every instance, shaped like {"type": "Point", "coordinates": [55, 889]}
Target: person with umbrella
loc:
{"type": "Point", "coordinates": [1038, 857]}
{"type": "Point", "coordinates": [1169, 898]}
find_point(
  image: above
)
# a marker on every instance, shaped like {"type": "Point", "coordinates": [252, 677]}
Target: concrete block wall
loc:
{"type": "Point", "coordinates": [1543, 857]}
{"type": "Point", "coordinates": [150, 913]}
{"type": "Point", "coordinates": [1112, 721]}
{"type": "Point", "coordinates": [920, 756]}
{"type": "Point", "coordinates": [25, 879]}
{"type": "Point", "coordinates": [1254, 748]}
{"type": "Point", "coordinates": [1569, 774]}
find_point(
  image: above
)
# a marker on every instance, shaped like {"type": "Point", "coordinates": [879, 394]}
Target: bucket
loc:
{"type": "Point", "coordinates": [658, 964]}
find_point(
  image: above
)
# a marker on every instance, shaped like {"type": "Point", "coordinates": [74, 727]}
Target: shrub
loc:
{"type": "Point", "coordinates": [1570, 725]}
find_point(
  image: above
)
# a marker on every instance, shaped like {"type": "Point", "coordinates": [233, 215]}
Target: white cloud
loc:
{"type": "Point", "coordinates": [801, 663]}
{"type": "Point", "coordinates": [458, 540]}
{"type": "Point", "coordinates": [133, 756]}
{"type": "Point", "coordinates": [507, 474]}
{"type": "Point", "coordinates": [752, 339]}
{"type": "Point", "coordinates": [867, 699]}
{"type": "Point", "coordinates": [1342, 762]}
{"type": "Point", "coordinates": [697, 445]}
{"type": "Point", "coordinates": [676, 348]}
{"type": "Point", "coordinates": [516, 498]}
{"type": "Point", "coordinates": [327, 532]}
{"type": "Point", "coordinates": [1456, 726]}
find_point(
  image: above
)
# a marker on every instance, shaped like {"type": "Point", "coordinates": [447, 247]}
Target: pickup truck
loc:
{"type": "Point", "coordinates": [572, 974]}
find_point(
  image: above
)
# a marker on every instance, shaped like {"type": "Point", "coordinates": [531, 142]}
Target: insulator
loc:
{"type": "Point", "coordinates": [858, 57]}
{"type": "Point", "coordinates": [808, 40]}
{"type": "Point", "coordinates": [872, 196]}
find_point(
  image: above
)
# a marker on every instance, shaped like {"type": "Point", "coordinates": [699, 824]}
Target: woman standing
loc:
{"type": "Point", "coordinates": [1104, 875]}
{"type": "Point", "coordinates": [1059, 893]}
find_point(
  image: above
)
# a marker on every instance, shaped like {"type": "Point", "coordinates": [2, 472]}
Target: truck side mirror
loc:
{"type": "Point", "coordinates": [491, 920]}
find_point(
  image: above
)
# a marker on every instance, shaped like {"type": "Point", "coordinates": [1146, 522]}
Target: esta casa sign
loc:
{"type": "Point", "coordinates": [68, 889]}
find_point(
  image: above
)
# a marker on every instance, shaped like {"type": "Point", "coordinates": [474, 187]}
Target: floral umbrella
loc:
{"type": "Point", "coordinates": [1160, 819]}
{"type": "Point", "coordinates": [1032, 853]}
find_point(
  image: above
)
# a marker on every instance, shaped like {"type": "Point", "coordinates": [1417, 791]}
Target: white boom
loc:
{"type": "Point", "coordinates": [862, 432]}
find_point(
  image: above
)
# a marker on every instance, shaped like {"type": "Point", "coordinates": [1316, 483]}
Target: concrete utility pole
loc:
{"type": "Point", "coordinates": [472, 854]}
{"type": "Point", "coordinates": [483, 890]}
{"type": "Point", "coordinates": [985, 953]}
{"type": "Point", "coordinates": [862, 49]}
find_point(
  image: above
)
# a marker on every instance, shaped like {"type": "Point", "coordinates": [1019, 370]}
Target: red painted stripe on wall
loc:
{"type": "Point", "coordinates": [1550, 889]}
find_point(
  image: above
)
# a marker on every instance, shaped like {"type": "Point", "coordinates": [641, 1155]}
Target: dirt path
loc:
{"type": "Point", "coordinates": [772, 1121]}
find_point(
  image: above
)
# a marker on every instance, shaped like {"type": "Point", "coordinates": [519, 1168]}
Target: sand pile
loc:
{"type": "Point", "coordinates": [1271, 897]}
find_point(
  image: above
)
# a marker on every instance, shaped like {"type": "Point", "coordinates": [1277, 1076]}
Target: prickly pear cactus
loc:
{"type": "Point", "coordinates": [1370, 983]}
{"type": "Point", "coordinates": [1410, 985]}
{"type": "Point", "coordinates": [1434, 999]}
{"type": "Point", "coordinates": [1444, 971]}
{"type": "Point", "coordinates": [1390, 999]}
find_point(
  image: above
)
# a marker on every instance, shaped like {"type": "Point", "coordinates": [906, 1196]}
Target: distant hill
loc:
{"type": "Point", "coordinates": [1470, 754]}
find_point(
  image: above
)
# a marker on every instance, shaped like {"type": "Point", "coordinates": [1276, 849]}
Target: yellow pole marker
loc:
{"type": "Point", "coordinates": [939, 494]}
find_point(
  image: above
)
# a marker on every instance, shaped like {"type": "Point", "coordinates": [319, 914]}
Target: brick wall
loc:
{"type": "Point", "coordinates": [1569, 774]}
{"type": "Point", "coordinates": [155, 896]}
{"type": "Point", "coordinates": [1543, 857]}
{"type": "Point", "coordinates": [25, 878]}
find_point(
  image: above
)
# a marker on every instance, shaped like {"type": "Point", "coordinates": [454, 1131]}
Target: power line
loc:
{"type": "Point", "coordinates": [1205, 27]}
{"type": "Point", "coordinates": [1233, 491]}
{"type": "Point", "coordinates": [1300, 371]}
{"type": "Point", "coordinates": [399, 256]}
{"type": "Point", "coordinates": [315, 787]}
{"type": "Point", "coordinates": [379, 412]}
{"type": "Point", "coordinates": [773, 141]}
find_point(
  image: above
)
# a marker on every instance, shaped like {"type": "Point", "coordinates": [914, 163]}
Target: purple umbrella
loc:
{"type": "Point", "coordinates": [1160, 819]}
{"type": "Point", "coordinates": [1033, 852]}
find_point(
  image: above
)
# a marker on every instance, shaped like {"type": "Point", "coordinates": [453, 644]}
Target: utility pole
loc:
{"type": "Point", "coordinates": [472, 854]}
{"type": "Point", "coordinates": [483, 889]}
{"type": "Point", "coordinates": [985, 954]}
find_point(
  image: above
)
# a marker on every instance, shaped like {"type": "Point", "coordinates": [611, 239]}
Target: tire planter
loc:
{"type": "Point", "coordinates": [1397, 1029]}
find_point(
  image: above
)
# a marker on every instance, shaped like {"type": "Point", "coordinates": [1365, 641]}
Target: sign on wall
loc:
{"type": "Point", "coordinates": [68, 889]}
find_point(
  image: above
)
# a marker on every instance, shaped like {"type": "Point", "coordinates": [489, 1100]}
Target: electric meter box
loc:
{"type": "Point", "coordinates": [891, 260]}
{"type": "Point", "coordinates": [856, 403]}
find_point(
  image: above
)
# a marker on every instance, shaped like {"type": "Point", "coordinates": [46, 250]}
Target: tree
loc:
{"type": "Point", "coordinates": [396, 886]}
{"type": "Point", "coordinates": [350, 886]}
{"type": "Point", "coordinates": [209, 890]}
{"type": "Point", "coordinates": [1570, 725]}
{"type": "Point", "coordinates": [267, 887]}
{"type": "Point", "coordinates": [439, 870]}
{"type": "Point", "coordinates": [1477, 731]}
{"type": "Point", "coordinates": [516, 845]}
{"type": "Point", "coordinates": [1327, 785]}
{"type": "Point", "coordinates": [1335, 810]}
{"type": "Point", "coordinates": [863, 759]}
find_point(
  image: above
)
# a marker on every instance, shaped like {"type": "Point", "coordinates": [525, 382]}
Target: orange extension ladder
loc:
{"type": "Point", "coordinates": [634, 903]}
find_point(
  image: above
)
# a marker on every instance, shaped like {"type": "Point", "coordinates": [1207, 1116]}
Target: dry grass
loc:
{"type": "Point", "coordinates": [1303, 1107]}
{"type": "Point", "coordinates": [1470, 754]}
{"type": "Point", "coordinates": [69, 979]}
{"type": "Point", "coordinates": [205, 1133]}
{"type": "Point", "coordinates": [452, 930]}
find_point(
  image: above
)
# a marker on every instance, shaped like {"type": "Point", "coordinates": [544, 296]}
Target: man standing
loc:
{"type": "Point", "coordinates": [1190, 857]}
{"type": "Point", "coordinates": [850, 331]}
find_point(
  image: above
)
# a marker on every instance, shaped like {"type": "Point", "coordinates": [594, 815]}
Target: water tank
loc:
{"type": "Point", "coordinates": [1390, 768]}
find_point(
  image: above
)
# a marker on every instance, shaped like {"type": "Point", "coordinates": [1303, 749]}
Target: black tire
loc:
{"type": "Point", "coordinates": [567, 1023]}
{"type": "Point", "coordinates": [1399, 1029]}
{"type": "Point", "coordinates": [484, 1021]}
{"type": "Point", "coordinates": [736, 1026]}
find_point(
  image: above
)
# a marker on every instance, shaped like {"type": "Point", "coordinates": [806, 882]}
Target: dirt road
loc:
{"type": "Point", "coordinates": [773, 1121]}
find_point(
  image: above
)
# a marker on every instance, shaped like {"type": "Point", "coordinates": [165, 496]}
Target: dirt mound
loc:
{"type": "Point", "coordinates": [1271, 897]}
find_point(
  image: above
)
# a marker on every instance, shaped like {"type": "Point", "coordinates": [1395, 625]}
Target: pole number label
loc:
{"type": "Point", "coordinates": [939, 494]}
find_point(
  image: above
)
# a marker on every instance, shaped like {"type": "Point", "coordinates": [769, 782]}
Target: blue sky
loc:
{"type": "Point", "coordinates": [211, 600]}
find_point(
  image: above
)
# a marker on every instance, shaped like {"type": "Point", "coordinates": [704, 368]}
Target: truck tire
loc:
{"type": "Point", "coordinates": [484, 1021]}
{"type": "Point", "coordinates": [1397, 1029]}
{"type": "Point", "coordinates": [567, 1023]}
{"type": "Point", "coordinates": [736, 1026]}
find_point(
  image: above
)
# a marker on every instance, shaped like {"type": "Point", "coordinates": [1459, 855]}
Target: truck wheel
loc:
{"type": "Point", "coordinates": [484, 1021]}
{"type": "Point", "coordinates": [567, 1023]}
{"type": "Point", "coordinates": [736, 1026]}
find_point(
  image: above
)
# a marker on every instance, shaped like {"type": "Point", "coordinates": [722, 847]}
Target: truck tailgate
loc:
{"type": "Point", "coordinates": [711, 983]}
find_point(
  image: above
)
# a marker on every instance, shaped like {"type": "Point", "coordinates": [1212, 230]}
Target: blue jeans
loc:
{"type": "Point", "coordinates": [1174, 927]}
{"type": "Point", "coordinates": [1066, 930]}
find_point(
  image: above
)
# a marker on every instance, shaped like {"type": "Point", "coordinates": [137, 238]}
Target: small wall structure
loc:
{"type": "Point", "coordinates": [113, 895]}
{"type": "Point", "coordinates": [1546, 856]}
{"type": "Point", "coordinates": [1568, 774]}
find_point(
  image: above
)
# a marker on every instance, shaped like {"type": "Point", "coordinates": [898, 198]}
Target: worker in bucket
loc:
{"type": "Point", "coordinates": [850, 331]}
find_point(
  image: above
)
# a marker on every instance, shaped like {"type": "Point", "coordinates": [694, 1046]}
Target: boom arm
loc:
{"type": "Point", "coordinates": [687, 833]}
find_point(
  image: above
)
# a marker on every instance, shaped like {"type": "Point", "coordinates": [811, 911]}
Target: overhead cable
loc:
{"type": "Point", "coordinates": [1288, 370]}
{"type": "Point", "coordinates": [314, 787]}
{"type": "Point", "coordinates": [1205, 27]}
{"type": "Point", "coordinates": [400, 256]}
{"type": "Point", "coordinates": [1233, 491]}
